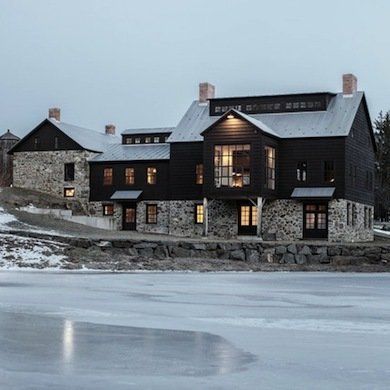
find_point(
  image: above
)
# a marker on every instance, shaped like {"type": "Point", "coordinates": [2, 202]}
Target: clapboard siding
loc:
{"type": "Point", "coordinates": [158, 191]}
{"type": "Point", "coordinates": [360, 153]}
{"type": "Point", "coordinates": [46, 132]}
{"type": "Point", "coordinates": [184, 158]}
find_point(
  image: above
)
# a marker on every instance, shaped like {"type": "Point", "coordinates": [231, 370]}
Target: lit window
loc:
{"type": "Point", "coordinates": [199, 174]}
{"type": "Point", "coordinates": [156, 140]}
{"type": "Point", "coordinates": [151, 213]}
{"type": "Point", "coordinates": [107, 176]}
{"type": "Point", "coordinates": [69, 192]}
{"type": "Point", "coordinates": [129, 176]}
{"type": "Point", "coordinates": [301, 171]}
{"type": "Point", "coordinates": [199, 213]}
{"type": "Point", "coordinates": [128, 140]}
{"type": "Point", "coordinates": [69, 171]}
{"type": "Point", "coordinates": [152, 175]}
{"type": "Point", "coordinates": [270, 164]}
{"type": "Point", "coordinates": [148, 140]}
{"type": "Point", "coordinates": [232, 165]}
{"type": "Point", "coordinates": [329, 174]}
{"type": "Point", "coordinates": [137, 140]}
{"type": "Point", "coordinates": [108, 209]}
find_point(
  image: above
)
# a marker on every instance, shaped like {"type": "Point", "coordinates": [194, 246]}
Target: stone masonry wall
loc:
{"type": "Point", "coordinates": [44, 171]}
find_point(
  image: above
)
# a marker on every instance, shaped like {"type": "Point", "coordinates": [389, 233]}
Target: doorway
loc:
{"type": "Point", "coordinates": [129, 221]}
{"type": "Point", "coordinates": [315, 220]}
{"type": "Point", "coordinates": [247, 220]}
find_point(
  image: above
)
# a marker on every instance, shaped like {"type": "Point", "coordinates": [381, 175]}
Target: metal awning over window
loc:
{"type": "Point", "coordinates": [126, 195]}
{"type": "Point", "coordinates": [313, 192]}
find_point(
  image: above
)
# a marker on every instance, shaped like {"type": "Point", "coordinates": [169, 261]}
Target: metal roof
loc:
{"type": "Point", "coordinates": [335, 121]}
{"type": "Point", "coordinates": [8, 136]}
{"type": "Point", "coordinates": [313, 192]}
{"type": "Point", "coordinates": [139, 152]}
{"type": "Point", "coordinates": [151, 130]}
{"type": "Point", "coordinates": [126, 195]}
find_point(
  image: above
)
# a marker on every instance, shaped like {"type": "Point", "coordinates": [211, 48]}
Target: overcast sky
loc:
{"type": "Point", "coordinates": [138, 63]}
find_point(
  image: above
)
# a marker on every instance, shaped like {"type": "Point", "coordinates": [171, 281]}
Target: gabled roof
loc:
{"type": "Point", "coordinates": [148, 130]}
{"type": "Point", "coordinates": [255, 122]}
{"type": "Point", "coordinates": [139, 152]}
{"type": "Point", "coordinates": [335, 121]}
{"type": "Point", "coordinates": [8, 136]}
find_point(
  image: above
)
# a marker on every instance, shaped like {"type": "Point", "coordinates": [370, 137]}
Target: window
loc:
{"type": "Point", "coordinates": [156, 140]}
{"type": "Point", "coordinates": [55, 142]}
{"type": "Point", "coordinates": [199, 173]}
{"type": "Point", "coordinates": [354, 215]}
{"type": "Point", "coordinates": [107, 176]}
{"type": "Point", "coordinates": [269, 167]}
{"type": "Point", "coordinates": [302, 171]}
{"type": "Point", "coordinates": [232, 165]}
{"type": "Point", "coordinates": [128, 140]}
{"type": "Point", "coordinates": [69, 171]}
{"type": "Point", "coordinates": [151, 213]}
{"type": "Point", "coordinates": [315, 216]}
{"type": "Point", "coordinates": [329, 171]}
{"type": "Point", "coordinates": [370, 218]}
{"type": "Point", "coordinates": [365, 218]}
{"type": "Point", "coordinates": [349, 219]}
{"type": "Point", "coordinates": [198, 213]}
{"type": "Point", "coordinates": [166, 138]}
{"type": "Point", "coordinates": [152, 175]}
{"type": "Point", "coordinates": [69, 192]}
{"type": "Point", "coordinates": [129, 176]}
{"type": "Point", "coordinates": [148, 140]}
{"type": "Point", "coordinates": [137, 140]}
{"type": "Point", "coordinates": [37, 143]}
{"type": "Point", "coordinates": [108, 209]}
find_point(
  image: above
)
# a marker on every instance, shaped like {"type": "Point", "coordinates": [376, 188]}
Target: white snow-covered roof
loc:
{"type": "Point", "coordinates": [139, 152]}
{"type": "Point", "coordinates": [335, 121]}
{"type": "Point", "coordinates": [88, 139]}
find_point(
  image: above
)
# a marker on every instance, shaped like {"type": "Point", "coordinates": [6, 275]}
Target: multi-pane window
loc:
{"type": "Point", "coordinates": [315, 216]}
{"type": "Point", "coordinates": [108, 209]}
{"type": "Point", "coordinates": [232, 165]}
{"type": "Point", "coordinates": [166, 138]}
{"type": "Point", "coordinates": [156, 140]}
{"type": "Point", "coordinates": [151, 213]}
{"type": "Point", "coordinates": [69, 192]}
{"type": "Point", "coordinates": [129, 176]}
{"type": "Point", "coordinates": [270, 164]}
{"type": "Point", "coordinates": [137, 140]}
{"type": "Point", "coordinates": [198, 213]}
{"type": "Point", "coordinates": [302, 171]}
{"type": "Point", "coordinates": [152, 175]}
{"type": "Point", "coordinates": [128, 140]}
{"type": "Point", "coordinates": [69, 171]}
{"type": "Point", "coordinates": [148, 140]}
{"type": "Point", "coordinates": [329, 173]}
{"type": "Point", "coordinates": [107, 176]}
{"type": "Point", "coordinates": [248, 216]}
{"type": "Point", "coordinates": [199, 174]}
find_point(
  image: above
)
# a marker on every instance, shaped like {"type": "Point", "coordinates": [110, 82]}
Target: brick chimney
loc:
{"type": "Point", "coordinates": [349, 84]}
{"type": "Point", "coordinates": [206, 92]}
{"type": "Point", "coordinates": [55, 113]}
{"type": "Point", "coordinates": [110, 129]}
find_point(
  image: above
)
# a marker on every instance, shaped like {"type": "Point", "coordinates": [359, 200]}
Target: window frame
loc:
{"type": "Point", "coordinates": [56, 143]}
{"type": "Point", "coordinates": [199, 175]}
{"type": "Point", "coordinates": [156, 139]}
{"type": "Point", "coordinates": [129, 182]}
{"type": "Point", "coordinates": [329, 175]}
{"type": "Point", "coordinates": [111, 182]}
{"type": "Point", "coordinates": [151, 175]}
{"type": "Point", "coordinates": [270, 171]}
{"type": "Point", "coordinates": [69, 189]}
{"type": "Point", "coordinates": [301, 171]}
{"type": "Point", "coordinates": [66, 173]}
{"type": "Point", "coordinates": [149, 206]}
{"type": "Point", "coordinates": [197, 215]}
{"type": "Point", "coordinates": [105, 214]}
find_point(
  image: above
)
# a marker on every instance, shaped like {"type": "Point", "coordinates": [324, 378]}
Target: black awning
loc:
{"type": "Point", "coordinates": [313, 193]}
{"type": "Point", "coordinates": [126, 195]}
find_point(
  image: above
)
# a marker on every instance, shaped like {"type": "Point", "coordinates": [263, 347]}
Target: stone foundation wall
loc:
{"type": "Point", "coordinates": [44, 171]}
{"type": "Point", "coordinates": [182, 214]}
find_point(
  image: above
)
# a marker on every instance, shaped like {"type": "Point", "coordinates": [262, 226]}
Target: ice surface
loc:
{"type": "Point", "coordinates": [194, 331]}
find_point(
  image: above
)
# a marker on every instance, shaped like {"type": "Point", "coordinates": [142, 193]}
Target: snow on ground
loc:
{"type": "Point", "coordinates": [194, 331]}
{"type": "Point", "coordinates": [5, 219]}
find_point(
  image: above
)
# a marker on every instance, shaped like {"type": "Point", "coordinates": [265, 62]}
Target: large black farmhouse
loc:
{"type": "Point", "coordinates": [282, 167]}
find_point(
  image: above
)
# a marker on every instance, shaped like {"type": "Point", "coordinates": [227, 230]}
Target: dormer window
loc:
{"type": "Point", "coordinates": [156, 140]}
{"type": "Point", "coordinates": [128, 140]}
{"type": "Point", "coordinates": [148, 140]}
{"type": "Point", "coordinates": [137, 140]}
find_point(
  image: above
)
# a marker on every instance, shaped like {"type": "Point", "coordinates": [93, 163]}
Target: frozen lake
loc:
{"type": "Point", "coordinates": [194, 331]}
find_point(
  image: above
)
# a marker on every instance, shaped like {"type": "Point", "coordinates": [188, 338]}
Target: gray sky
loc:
{"type": "Point", "coordinates": [138, 63]}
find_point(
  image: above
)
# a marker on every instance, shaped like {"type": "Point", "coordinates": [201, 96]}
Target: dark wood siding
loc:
{"type": "Point", "coordinates": [237, 131]}
{"type": "Point", "coordinates": [360, 153]}
{"type": "Point", "coordinates": [314, 151]}
{"type": "Point", "coordinates": [46, 133]}
{"type": "Point", "coordinates": [184, 158]}
{"type": "Point", "coordinates": [158, 191]}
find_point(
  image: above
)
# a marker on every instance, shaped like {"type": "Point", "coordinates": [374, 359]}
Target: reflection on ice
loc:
{"type": "Point", "coordinates": [51, 345]}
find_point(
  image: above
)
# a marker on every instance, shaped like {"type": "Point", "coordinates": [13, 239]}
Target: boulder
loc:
{"type": "Point", "coordinates": [280, 250]}
{"type": "Point", "coordinates": [300, 258]}
{"type": "Point", "coordinates": [237, 254]}
{"type": "Point", "coordinates": [288, 258]}
{"type": "Point", "coordinates": [252, 255]}
{"type": "Point", "coordinates": [305, 250]}
{"type": "Point", "coordinates": [292, 248]}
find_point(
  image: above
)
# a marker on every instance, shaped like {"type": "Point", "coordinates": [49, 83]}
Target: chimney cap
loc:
{"type": "Point", "coordinates": [55, 113]}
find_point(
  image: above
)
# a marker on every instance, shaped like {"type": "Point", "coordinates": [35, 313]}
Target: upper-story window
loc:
{"type": "Point", "coordinates": [166, 138]}
{"type": "Point", "coordinates": [129, 176]}
{"type": "Point", "coordinates": [152, 175]}
{"type": "Point", "coordinates": [199, 173]}
{"type": "Point", "coordinates": [270, 167]}
{"type": "Point", "coordinates": [156, 140]}
{"type": "Point", "coordinates": [37, 143]}
{"type": "Point", "coordinates": [232, 165]}
{"type": "Point", "coordinates": [302, 171]}
{"type": "Point", "coordinates": [329, 172]}
{"type": "Point", "coordinates": [137, 140]}
{"type": "Point", "coordinates": [55, 142]}
{"type": "Point", "coordinates": [148, 140]}
{"type": "Point", "coordinates": [128, 140]}
{"type": "Point", "coordinates": [107, 176]}
{"type": "Point", "coordinates": [69, 172]}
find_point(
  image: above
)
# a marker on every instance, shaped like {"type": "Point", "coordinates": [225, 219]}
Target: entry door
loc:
{"type": "Point", "coordinates": [129, 217]}
{"type": "Point", "coordinates": [247, 219]}
{"type": "Point", "coordinates": [315, 220]}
